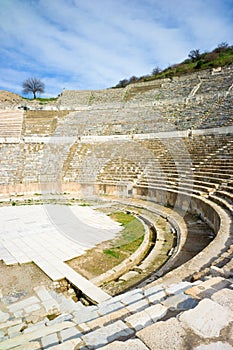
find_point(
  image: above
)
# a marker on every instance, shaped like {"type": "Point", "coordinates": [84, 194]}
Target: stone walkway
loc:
{"type": "Point", "coordinates": [194, 316]}
{"type": "Point", "coordinates": [48, 235]}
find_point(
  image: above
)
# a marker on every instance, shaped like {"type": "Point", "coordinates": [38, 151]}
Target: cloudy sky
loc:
{"type": "Point", "coordinates": [92, 44]}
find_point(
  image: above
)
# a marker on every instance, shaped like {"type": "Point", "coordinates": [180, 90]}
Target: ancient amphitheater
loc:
{"type": "Point", "coordinates": [159, 149]}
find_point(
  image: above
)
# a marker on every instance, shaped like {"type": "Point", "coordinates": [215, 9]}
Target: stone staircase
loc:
{"type": "Point", "coordinates": [11, 124]}
{"type": "Point", "coordinates": [154, 317]}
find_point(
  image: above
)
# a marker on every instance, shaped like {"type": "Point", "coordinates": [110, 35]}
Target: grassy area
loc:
{"type": "Point", "coordinates": [119, 286]}
{"type": "Point", "coordinates": [42, 100]}
{"type": "Point", "coordinates": [221, 56]}
{"type": "Point", "coordinates": [220, 60]}
{"type": "Point", "coordinates": [109, 254]}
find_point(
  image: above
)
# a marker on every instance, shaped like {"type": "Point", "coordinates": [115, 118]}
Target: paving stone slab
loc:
{"type": "Point", "coordinates": [51, 305]}
{"type": "Point", "coordinates": [131, 344]}
{"type": "Point", "coordinates": [109, 307]}
{"type": "Point", "coordinates": [125, 295]}
{"type": "Point", "coordinates": [207, 319]}
{"type": "Point", "coordinates": [68, 345]}
{"type": "Point", "coordinates": [34, 327]}
{"type": "Point", "coordinates": [42, 293]}
{"type": "Point", "coordinates": [116, 331]}
{"type": "Point", "coordinates": [61, 318]}
{"type": "Point", "coordinates": [157, 297]}
{"type": "Point", "coordinates": [164, 335]}
{"type": "Point", "coordinates": [23, 304]}
{"type": "Point", "coordinates": [109, 318]}
{"type": "Point", "coordinates": [70, 333]}
{"type": "Point", "coordinates": [215, 346]}
{"type": "Point", "coordinates": [32, 308]}
{"type": "Point", "coordinates": [144, 318]}
{"type": "Point", "coordinates": [138, 306]}
{"type": "Point", "coordinates": [85, 316]}
{"type": "Point", "coordinates": [180, 302]}
{"type": "Point", "coordinates": [153, 290]}
{"type": "Point", "coordinates": [11, 323]}
{"type": "Point", "coordinates": [178, 287]}
{"type": "Point", "coordinates": [35, 345]}
{"type": "Point", "coordinates": [4, 316]}
{"type": "Point", "coordinates": [24, 338]}
{"type": "Point", "coordinates": [208, 288]}
{"type": "Point", "coordinates": [129, 299]}
{"type": "Point", "coordinates": [49, 340]}
{"type": "Point", "coordinates": [14, 329]}
{"type": "Point", "coordinates": [224, 297]}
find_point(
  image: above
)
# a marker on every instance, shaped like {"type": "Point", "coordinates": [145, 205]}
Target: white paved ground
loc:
{"type": "Point", "coordinates": [48, 235]}
{"type": "Point", "coordinates": [51, 231]}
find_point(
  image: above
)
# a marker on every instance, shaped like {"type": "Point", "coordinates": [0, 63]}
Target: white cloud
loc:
{"type": "Point", "coordinates": [84, 44]}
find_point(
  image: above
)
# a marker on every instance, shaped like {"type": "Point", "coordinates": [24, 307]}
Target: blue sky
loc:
{"type": "Point", "coordinates": [92, 44]}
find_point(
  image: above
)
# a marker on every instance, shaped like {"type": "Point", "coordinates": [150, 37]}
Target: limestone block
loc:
{"type": "Point", "coordinates": [180, 302]}
{"type": "Point", "coordinates": [70, 333]}
{"type": "Point", "coordinates": [49, 340]}
{"type": "Point", "coordinates": [132, 344]}
{"type": "Point", "coordinates": [23, 304]}
{"type": "Point", "coordinates": [146, 317]}
{"type": "Point", "coordinates": [164, 335]}
{"type": "Point", "coordinates": [215, 346]}
{"type": "Point", "coordinates": [109, 307]}
{"type": "Point", "coordinates": [224, 297]}
{"type": "Point", "coordinates": [207, 288]}
{"type": "Point", "coordinates": [207, 319]}
{"type": "Point", "coordinates": [4, 316]}
{"type": "Point", "coordinates": [105, 335]}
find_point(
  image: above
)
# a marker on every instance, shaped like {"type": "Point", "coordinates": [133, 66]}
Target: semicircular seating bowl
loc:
{"type": "Point", "coordinates": [170, 142]}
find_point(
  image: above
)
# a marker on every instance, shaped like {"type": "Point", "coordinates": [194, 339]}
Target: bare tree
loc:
{"type": "Point", "coordinates": [194, 55]}
{"type": "Point", "coordinates": [33, 85]}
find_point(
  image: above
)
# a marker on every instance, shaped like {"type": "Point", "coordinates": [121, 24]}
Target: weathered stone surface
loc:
{"type": "Point", "coordinates": [105, 335]}
{"type": "Point", "coordinates": [146, 317]}
{"type": "Point", "coordinates": [164, 335]}
{"type": "Point", "coordinates": [132, 344]}
{"type": "Point", "coordinates": [224, 297]}
{"type": "Point", "coordinates": [153, 290]}
{"type": "Point", "coordinates": [129, 299]}
{"type": "Point", "coordinates": [110, 307]}
{"type": "Point", "coordinates": [49, 340]}
{"type": "Point", "coordinates": [35, 345]}
{"type": "Point", "coordinates": [70, 333]}
{"type": "Point", "coordinates": [177, 288]}
{"type": "Point", "coordinates": [138, 306]}
{"type": "Point", "coordinates": [89, 314]}
{"type": "Point", "coordinates": [101, 321]}
{"type": "Point", "coordinates": [68, 345]}
{"type": "Point", "coordinates": [207, 288]}
{"type": "Point", "coordinates": [207, 319]}
{"type": "Point", "coordinates": [157, 297]}
{"type": "Point", "coordinates": [215, 346]}
{"type": "Point", "coordinates": [23, 304]}
{"type": "Point", "coordinates": [24, 338]}
{"type": "Point", "coordinates": [61, 318]}
{"type": "Point", "coordinates": [42, 293]}
{"type": "Point", "coordinates": [14, 329]}
{"type": "Point", "coordinates": [180, 302]}
{"type": "Point", "coordinates": [32, 308]}
{"type": "Point", "coordinates": [4, 316]}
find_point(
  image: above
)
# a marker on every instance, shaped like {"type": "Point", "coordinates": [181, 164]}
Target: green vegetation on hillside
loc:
{"type": "Point", "coordinates": [221, 56]}
{"type": "Point", "coordinates": [41, 99]}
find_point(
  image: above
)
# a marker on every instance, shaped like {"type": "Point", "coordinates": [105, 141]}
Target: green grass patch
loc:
{"type": "Point", "coordinates": [132, 231]}
{"type": "Point", "coordinates": [109, 254]}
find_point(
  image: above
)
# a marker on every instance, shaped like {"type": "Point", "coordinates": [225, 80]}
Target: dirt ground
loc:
{"type": "Point", "coordinates": [21, 279]}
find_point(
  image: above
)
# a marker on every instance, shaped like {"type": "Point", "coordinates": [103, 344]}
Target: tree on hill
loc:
{"type": "Point", "coordinates": [33, 85]}
{"type": "Point", "coordinates": [195, 55]}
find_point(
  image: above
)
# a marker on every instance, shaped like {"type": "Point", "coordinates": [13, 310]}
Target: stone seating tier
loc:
{"type": "Point", "coordinates": [138, 319]}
